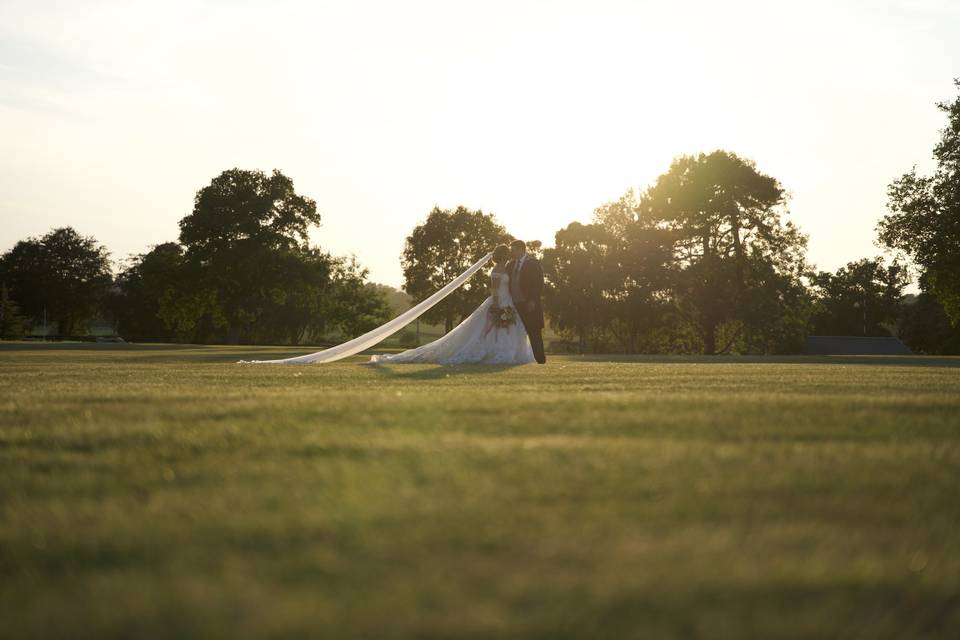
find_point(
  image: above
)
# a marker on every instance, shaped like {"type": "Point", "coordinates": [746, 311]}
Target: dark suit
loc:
{"type": "Point", "coordinates": [526, 286]}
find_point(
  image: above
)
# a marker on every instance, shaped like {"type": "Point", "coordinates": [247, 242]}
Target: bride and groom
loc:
{"type": "Point", "coordinates": [507, 328]}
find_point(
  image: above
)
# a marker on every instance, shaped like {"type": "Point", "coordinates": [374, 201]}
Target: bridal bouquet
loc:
{"type": "Point", "coordinates": [503, 317]}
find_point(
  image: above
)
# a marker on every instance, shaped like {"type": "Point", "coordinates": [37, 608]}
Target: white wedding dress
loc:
{"type": "Point", "coordinates": [476, 340]}
{"type": "Point", "coordinates": [473, 340]}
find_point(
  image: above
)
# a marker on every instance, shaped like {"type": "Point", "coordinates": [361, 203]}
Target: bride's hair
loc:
{"type": "Point", "coordinates": [501, 253]}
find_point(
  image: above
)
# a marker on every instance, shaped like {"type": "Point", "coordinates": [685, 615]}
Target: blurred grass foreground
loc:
{"type": "Point", "coordinates": [166, 492]}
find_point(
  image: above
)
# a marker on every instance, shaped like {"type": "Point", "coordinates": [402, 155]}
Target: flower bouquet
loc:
{"type": "Point", "coordinates": [503, 317]}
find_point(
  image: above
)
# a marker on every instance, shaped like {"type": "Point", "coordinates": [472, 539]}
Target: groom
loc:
{"type": "Point", "coordinates": [526, 284]}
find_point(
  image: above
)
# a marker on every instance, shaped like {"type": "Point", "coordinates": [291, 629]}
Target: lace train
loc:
{"type": "Point", "coordinates": [474, 341]}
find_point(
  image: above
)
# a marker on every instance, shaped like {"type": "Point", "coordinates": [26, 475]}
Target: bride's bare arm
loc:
{"type": "Point", "coordinates": [494, 288]}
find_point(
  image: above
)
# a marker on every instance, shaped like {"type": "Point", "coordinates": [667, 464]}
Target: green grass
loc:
{"type": "Point", "coordinates": [162, 492]}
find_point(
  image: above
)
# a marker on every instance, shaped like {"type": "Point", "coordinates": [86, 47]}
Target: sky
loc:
{"type": "Point", "coordinates": [113, 114]}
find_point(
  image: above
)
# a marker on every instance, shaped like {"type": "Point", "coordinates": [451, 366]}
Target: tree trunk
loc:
{"type": "Point", "coordinates": [448, 324]}
{"type": "Point", "coordinates": [709, 324]}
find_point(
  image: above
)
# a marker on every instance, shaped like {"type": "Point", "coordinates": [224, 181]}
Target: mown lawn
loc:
{"type": "Point", "coordinates": [162, 492]}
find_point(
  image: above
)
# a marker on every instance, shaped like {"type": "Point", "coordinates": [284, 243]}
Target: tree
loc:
{"type": "Point", "coordinates": [580, 280]}
{"type": "Point", "coordinates": [245, 230]}
{"type": "Point", "coordinates": [638, 309]}
{"type": "Point", "coordinates": [924, 216]}
{"type": "Point", "coordinates": [356, 304]}
{"type": "Point", "coordinates": [11, 322]}
{"type": "Point", "coordinates": [298, 303]}
{"type": "Point", "coordinates": [398, 300]}
{"type": "Point", "coordinates": [862, 298]}
{"type": "Point", "coordinates": [146, 280]}
{"type": "Point", "coordinates": [737, 261]}
{"type": "Point", "coordinates": [64, 273]}
{"type": "Point", "coordinates": [924, 325]}
{"type": "Point", "coordinates": [246, 269]}
{"type": "Point", "coordinates": [240, 208]}
{"type": "Point", "coordinates": [442, 248]}
{"type": "Point", "coordinates": [775, 309]}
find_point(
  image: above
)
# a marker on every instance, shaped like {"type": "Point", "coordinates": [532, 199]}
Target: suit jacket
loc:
{"type": "Point", "coordinates": [530, 283]}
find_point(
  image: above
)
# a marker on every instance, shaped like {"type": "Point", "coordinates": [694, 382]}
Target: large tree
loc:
{"type": "Point", "coordinates": [246, 270]}
{"type": "Point", "coordinates": [581, 277]}
{"type": "Point", "coordinates": [738, 262]}
{"type": "Point", "coordinates": [924, 218]}
{"type": "Point", "coordinates": [241, 209]}
{"type": "Point", "coordinates": [245, 230]}
{"type": "Point", "coordinates": [862, 298]}
{"type": "Point", "coordinates": [443, 247]}
{"type": "Point", "coordinates": [63, 274]}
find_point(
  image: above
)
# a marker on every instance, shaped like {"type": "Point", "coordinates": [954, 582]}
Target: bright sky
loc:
{"type": "Point", "coordinates": [114, 113]}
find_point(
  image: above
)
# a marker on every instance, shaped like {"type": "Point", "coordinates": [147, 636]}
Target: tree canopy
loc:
{"type": "Point", "coordinates": [145, 281]}
{"type": "Point", "coordinates": [246, 252]}
{"type": "Point", "coordinates": [737, 260]}
{"type": "Point", "coordinates": [861, 299]}
{"type": "Point", "coordinates": [244, 271]}
{"type": "Point", "coordinates": [924, 325]}
{"type": "Point", "coordinates": [443, 247]}
{"type": "Point", "coordinates": [62, 273]}
{"type": "Point", "coordinates": [582, 276]}
{"type": "Point", "coordinates": [243, 208]}
{"type": "Point", "coordinates": [640, 314]}
{"type": "Point", "coordinates": [924, 216]}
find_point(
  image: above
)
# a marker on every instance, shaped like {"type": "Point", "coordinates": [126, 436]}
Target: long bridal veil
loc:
{"type": "Point", "coordinates": [382, 332]}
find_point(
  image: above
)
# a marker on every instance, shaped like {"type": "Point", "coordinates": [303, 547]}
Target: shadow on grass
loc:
{"type": "Point", "coordinates": [157, 353]}
{"type": "Point", "coordinates": [95, 346]}
{"type": "Point", "coordinates": [396, 371]}
{"type": "Point", "coordinates": [898, 361]}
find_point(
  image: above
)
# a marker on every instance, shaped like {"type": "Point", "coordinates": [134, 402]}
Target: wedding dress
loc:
{"type": "Point", "coordinates": [476, 340]}
{"type": "Point", "coordinates": [381, 333]}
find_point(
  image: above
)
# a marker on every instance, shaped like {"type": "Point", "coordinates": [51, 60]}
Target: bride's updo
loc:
{"type": "Point", "coordinates": [501, 254]}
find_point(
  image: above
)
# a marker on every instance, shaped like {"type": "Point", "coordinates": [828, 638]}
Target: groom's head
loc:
{"type": "Point", "coordinates": [517, 248]}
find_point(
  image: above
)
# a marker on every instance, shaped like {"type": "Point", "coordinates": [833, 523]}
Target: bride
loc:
{"type": "Point", "coordinates": [493, 334]}
{"type": "Point", "coordinates": [496, 333]}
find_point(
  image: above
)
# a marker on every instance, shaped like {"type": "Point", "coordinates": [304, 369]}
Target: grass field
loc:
{"type": "Point", "coordinates": [162, 492]}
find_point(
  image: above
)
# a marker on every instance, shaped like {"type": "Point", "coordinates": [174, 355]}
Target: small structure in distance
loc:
{"type": "Point", "coordinates": [854, 346]}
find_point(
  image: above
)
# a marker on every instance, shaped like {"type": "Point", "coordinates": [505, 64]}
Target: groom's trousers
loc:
{"type": "Point", "coordinates": [531, 322]}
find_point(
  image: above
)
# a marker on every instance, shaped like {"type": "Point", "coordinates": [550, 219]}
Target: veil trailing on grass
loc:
{"type": "Point", "coordinates": [382, 332]}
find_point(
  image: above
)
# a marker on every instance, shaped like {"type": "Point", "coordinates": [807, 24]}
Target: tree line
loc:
{"type": "Point", "coordinates": [705, 260]}
{"type": "Point", "coordinates": [242, 271]}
